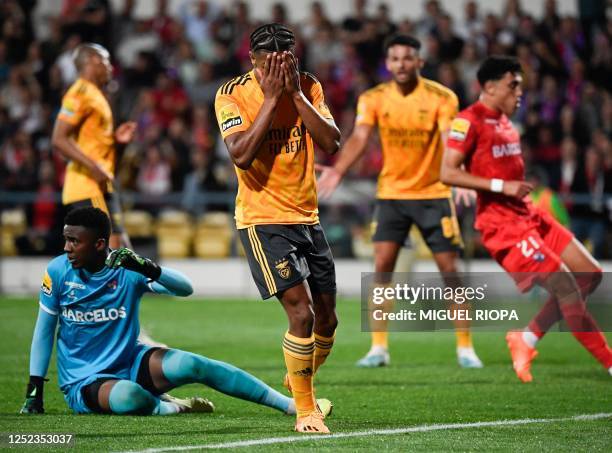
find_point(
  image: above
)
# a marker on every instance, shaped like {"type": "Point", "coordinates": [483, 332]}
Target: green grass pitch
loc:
{"type": "Point", "coordinates": [422, 386]}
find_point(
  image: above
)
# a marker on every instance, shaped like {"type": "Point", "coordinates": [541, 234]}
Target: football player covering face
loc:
{"type": "Point", "coordinates": [404, 64]}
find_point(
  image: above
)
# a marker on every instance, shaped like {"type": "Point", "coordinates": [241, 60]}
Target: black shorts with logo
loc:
{"type": "Point", "coordinates": [108, 203]}
{"type": "Point", "coordinates": [436, 219]}
{"type": "Point", "coordinates": [282, 256]}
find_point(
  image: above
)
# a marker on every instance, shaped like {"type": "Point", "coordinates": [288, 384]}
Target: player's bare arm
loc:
{"type": "Point", "coordinates": [62, 141]}
{"type": "Point", "coordinates": [351, 151]}
{"type": "Point", "coordinates": [243, 146]}
{"type": "Point", "coordinates": [453, 174]}
{"type": "Point", "coordinates": [324, 131]}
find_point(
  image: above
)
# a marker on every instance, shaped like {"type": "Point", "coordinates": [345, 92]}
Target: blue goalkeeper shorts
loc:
{"type": "Point", "coordinates": [73, 394]}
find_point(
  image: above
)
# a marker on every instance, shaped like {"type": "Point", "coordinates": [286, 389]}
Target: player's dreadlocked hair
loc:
{"type": "Point", "coordinates": [272, 38]}
{"type": "Point", "coordinates": [93, 219]}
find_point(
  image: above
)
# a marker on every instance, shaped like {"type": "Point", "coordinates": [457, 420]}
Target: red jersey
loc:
{"type": "Point", "coordinates": [493, 150]}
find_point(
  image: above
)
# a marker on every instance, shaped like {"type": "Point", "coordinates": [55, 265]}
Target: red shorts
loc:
{"type": "Point", "coordinates": [527, 247]}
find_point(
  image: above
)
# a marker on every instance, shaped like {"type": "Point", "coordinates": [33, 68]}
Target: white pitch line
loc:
{"type": "Point", "coordinates": [375, 432]}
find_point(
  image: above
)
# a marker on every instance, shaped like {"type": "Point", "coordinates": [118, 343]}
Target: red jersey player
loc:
{"type": "Point", "coordinates": [483, 153]}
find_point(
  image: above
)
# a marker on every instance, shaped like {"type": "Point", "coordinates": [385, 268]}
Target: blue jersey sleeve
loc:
{"type": "Point", "coordinates": [50, 288]}
{"type": "Point", "coordinates": [171, 282]}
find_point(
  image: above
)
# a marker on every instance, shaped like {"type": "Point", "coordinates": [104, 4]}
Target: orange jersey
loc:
{"type": "Point", "coordinates": [279, 186]}
{"type": "Point", "coordinates": [86, 107]}
{"type": "Point", "coordinates": [410, 130]}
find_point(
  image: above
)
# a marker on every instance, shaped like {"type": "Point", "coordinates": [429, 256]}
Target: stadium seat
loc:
{"type": "Point", "coordinates": [213, 238]}
{"type": "Point", "coordinates": [13, 224]}
{"type": "Point", "coordinates": [138, 224]}
{"type": "Point", "coordinates": [174, 234]}
{"type": "Point", "coordinates": [362, 242]}
{"type": "Point", "coordinates": [14, 221]}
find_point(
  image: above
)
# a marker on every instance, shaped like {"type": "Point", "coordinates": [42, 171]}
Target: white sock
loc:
{"type": "Point", "coordinates": [610, 371]}
{"type": "Point", "coordinates": [530, 338]}
{"type": "Point", "coordinates": [377, 350]}
{"type": "Point", "coordinates": [291, 408]}
{"type": "Point", "coordinates": [465, 350]}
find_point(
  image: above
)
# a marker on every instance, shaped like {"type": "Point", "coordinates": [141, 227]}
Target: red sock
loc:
{"type": "Point", "coordinates": [586, 331]}
{"type": "Point", "coordinates": [548, 315]}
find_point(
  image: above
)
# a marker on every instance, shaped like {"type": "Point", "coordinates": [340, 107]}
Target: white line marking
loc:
{"type": "Point", "coordinates": [375, 432]}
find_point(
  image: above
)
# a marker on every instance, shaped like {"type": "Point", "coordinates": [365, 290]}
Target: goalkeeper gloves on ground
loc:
{"type": "Point", "coordinates": [34, 396]}
{"type": "Point", "coordinates": [128, 259]}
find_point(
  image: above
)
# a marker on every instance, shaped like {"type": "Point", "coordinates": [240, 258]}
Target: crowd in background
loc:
{"type": "Point", "coordinates": [167, 70]}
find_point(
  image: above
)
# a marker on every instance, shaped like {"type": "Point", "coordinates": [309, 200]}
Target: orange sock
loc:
{"type": "Point", "coordinates": [464, 338]}
{"type": "Point", "coordinates": [323, 347]}
{"type": "Point", "coordinates": [299, 353]}
{"type": "Point", "coordinates": [380, 339]}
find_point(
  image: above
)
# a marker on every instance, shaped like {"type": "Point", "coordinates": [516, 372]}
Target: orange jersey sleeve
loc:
{"type": "Point", "coordinates": [75, 105]}
{"type": "Point", "coordinates": [367, 108]}
{"type": "Point", "coordinates": [231, 112]}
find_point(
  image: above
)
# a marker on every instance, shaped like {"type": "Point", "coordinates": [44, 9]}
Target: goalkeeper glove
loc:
{"type": "Point", "coordinates": [34, 396]}
{"type": "Point", "coordinates": [128, 259]}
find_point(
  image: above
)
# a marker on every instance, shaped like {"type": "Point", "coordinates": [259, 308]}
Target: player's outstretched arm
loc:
{"type": "Point", "coordinates": [351, 151]}
{"type": "Point", "coordinates": [172, 283]}
{"type": "Point", "coordinates": [243, 146]}
{"type": "Point", "coordinates": [164, 280]}
{"type": "Point", "coordinates": [40, 355]}
{"type": "Point", "coordinates": [324, 131]}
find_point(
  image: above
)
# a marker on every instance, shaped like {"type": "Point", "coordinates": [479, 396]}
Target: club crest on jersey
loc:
{"type": "Point", "coordinates": [229, 117]}
{"type": "Point", "coordinates": [112, 285]}
{"type": "Point", "coordinates": [459, 129]}
{"type": "Point", "coordinates": [47, 284]}
{"type": "Point", "coordinates": [283, 269]}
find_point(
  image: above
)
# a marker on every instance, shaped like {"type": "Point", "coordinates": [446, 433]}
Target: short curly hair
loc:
{"type": "Point", "coordinates": [93, 219]}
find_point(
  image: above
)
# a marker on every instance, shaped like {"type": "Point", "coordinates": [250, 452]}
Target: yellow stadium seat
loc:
{"type": "Point", "coordinates": [14, 221]}
{"type": "Point", "coordinates": [174, 233]}
{"type": "Point", "coordinates": [7, 243]}
{"type": "Point", "coordinates": [138, 224]}
{"type": "Point", "coordinates": [214, 234]}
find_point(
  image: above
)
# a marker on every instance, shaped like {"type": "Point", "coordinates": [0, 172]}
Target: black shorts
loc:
{"type": "Point", "coordinates": [109, 203]}
{"type": "Point", "coordinates": [282, 256]}
{"type": "Point", "coordinates": [436, 219]}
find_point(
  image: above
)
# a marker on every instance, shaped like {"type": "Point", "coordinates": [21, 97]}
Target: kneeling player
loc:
{"type": "Point", "coordinates": [528, 243]}
{"type": "Point", "coordinates": [102, 367]}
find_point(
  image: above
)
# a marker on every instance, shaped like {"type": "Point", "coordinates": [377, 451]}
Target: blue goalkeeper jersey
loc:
{"type": "Point", "coordinates": [98, 318]}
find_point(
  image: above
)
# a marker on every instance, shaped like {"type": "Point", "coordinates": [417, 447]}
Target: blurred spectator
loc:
{"type": "Point", "coordinates": [200, 183]}
{"type": "Point", "coordinates": [545, 198]}
{"type": "Point", "coordinates": [154, 175]}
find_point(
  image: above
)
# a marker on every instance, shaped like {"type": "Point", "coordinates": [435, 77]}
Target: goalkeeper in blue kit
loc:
{"type": "Point", "coordinates": [95, 295]}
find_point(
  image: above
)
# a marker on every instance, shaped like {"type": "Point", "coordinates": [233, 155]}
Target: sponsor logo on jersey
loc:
{"type": "Point", "coordinates": [47, 284]}
{"type": "Point", "coordinates": [229, 117]}
{"type": "Point", "coordinates": [459, 129]}
{"type": "Point", "coordinates": [283, 269]}
{"type": "Point", "coordinates": [97, 315]}
{"type": "Point", "coordinates": [507, 149]}
{"type": "Point", "coordinates": [74, 285]}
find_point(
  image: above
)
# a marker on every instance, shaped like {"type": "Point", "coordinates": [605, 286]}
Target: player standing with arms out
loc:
{"type": "Point", "coordinates": [270, 119]}
{"type": "Point", "coordinates": [102, 368]}
{"type": "Point", "coordinates": [412, 115]}
{"type": "Point", "coordinates": [527, 242]}
{"type": "Point", "coordinates": [84, 135]}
